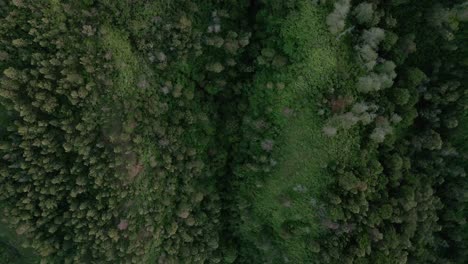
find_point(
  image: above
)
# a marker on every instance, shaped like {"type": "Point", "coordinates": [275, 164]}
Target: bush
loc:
{"type": "Point", "coordinates": [364, 13]}
{"type": "Point", "coordinates": [336, 21]}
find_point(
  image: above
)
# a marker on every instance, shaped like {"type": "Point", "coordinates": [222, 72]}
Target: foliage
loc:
{"type": "Point", "coordinates": [233, 131]}
{"type": "Point", "coordinates": [113, 154]}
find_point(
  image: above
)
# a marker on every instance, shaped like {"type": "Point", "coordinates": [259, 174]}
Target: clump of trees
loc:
{"type": "Point", "coordinates": [58, 181]}
{"type": "Point", "coordinates": [336, 21]}
{"type": "Point", "coordinates": [113, 155]}
{"type": "Point", "coordinates": [396, 200]}
{"type": "Point", "coordinates": [379, 73]}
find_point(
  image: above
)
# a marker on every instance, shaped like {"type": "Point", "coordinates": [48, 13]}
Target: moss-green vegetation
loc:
{"type": "Point", "coordinates": [280, 131]}
{"type": "Point", "coordinates": [127, 64]}
{"type": "Point", "coordinates": [291, 173]}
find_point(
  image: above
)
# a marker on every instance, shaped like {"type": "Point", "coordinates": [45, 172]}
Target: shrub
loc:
{"type": "Point", "coordinates": [373, 37]}
{"type": "Point", "coordinates": [336, 20]}
{"type": "Point", "coordinates": [364, 13]}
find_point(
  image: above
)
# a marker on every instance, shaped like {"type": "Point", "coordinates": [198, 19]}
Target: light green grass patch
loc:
{"type": "Point", "coordinates": [302, 149]}
{"type": "Point", "coordinates": [126, 61]}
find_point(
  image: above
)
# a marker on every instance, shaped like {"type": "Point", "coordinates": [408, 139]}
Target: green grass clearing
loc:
{"type": "Point", "coordinates": [302, 150]}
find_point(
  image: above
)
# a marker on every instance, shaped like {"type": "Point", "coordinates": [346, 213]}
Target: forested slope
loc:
{"type": "Point", "coordinates": [271, 131]}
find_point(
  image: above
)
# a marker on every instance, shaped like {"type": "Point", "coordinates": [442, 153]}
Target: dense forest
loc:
{"type": "Point", "coordinates": [240, 131]}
